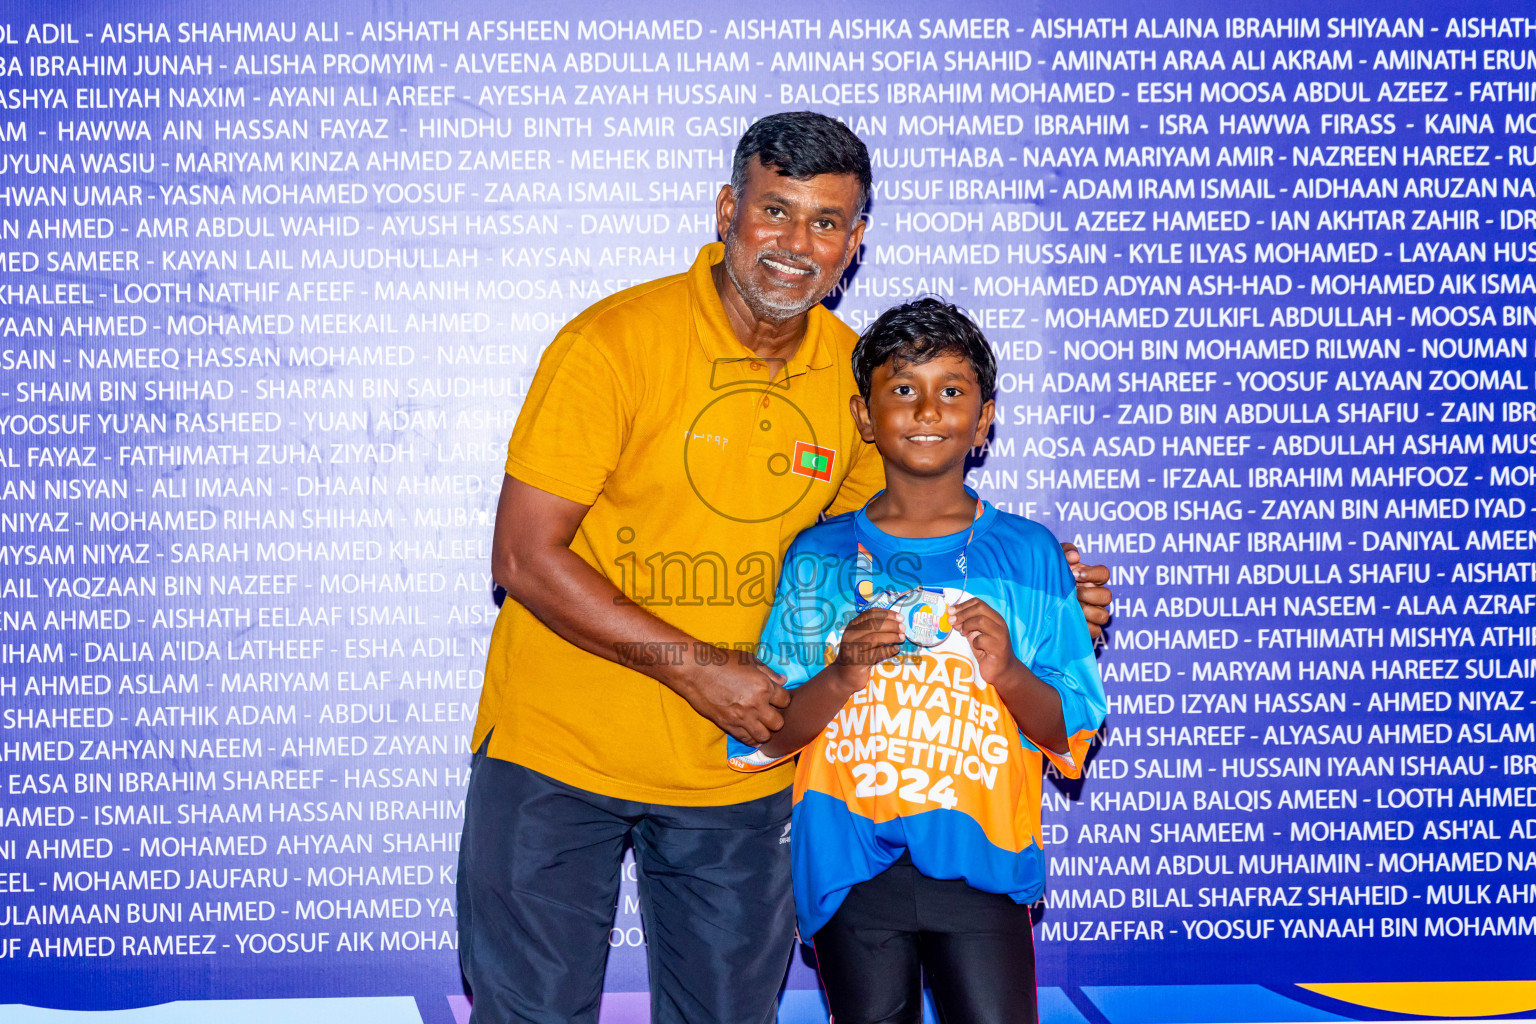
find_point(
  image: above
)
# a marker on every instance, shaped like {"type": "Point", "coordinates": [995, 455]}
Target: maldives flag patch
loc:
{"type": "Point", "coordinates": [812, 461]}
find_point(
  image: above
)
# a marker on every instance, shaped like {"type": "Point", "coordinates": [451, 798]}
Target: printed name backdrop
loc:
{"type": "Point", "coordinates": [277, 277]}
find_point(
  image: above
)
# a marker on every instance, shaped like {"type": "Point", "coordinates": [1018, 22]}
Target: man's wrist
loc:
{"type": "Point", "coordinates": [678, 678]}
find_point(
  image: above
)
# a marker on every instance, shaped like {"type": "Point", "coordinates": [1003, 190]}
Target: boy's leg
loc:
{"type": "Point", "coordinates": [719, 916]}
{"type": "Point", "coordinates": [867, 954]}
{"type": "Point", "coordinates": [538, 880]}
{"type": "Point", "coordinates": [978, 949]}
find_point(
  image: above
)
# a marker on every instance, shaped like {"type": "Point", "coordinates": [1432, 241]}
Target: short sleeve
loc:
{"type": "Point", "coordinates": [1063, 659]}
{"type": "Point", "coordinates": [865, 479]}
{"type": "Point", "coordinates": [794, 640]}
{"type": "Point", "coordinates": [574, 422]}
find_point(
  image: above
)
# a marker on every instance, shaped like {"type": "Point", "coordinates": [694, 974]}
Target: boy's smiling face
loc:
{"type": "Point", "coordinates": [924, 417]}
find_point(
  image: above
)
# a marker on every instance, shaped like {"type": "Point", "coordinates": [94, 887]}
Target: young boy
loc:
{"type": "Point", "coordinates": [936, 653]}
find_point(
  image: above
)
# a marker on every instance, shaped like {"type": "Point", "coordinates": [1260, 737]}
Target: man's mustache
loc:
{"type": "Point", "coordinates": [790, 260]}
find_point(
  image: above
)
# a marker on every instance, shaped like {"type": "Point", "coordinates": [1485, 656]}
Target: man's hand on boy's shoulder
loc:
{"type": "Point", "coordinates": [1092, 594]}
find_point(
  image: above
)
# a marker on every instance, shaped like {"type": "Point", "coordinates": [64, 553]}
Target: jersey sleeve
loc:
{"type": "Point", "coordinates": [865, 479]}
{"type": "Point", "coordinates": [1063, 658]}
{"type": "Point", "coordinates": [794, 639]}
{"type": "Point", "coordinates": [574, 422]}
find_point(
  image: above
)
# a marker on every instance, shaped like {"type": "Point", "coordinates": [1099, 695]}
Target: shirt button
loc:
{"type": "Point", "coordinates": [765, 403]}
{"type": "Point", "coordinates": [754, 365]}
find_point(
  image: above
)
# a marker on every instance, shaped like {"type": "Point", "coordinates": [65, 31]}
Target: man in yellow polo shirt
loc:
{"type": "Point", "coordinates": [677, 437]}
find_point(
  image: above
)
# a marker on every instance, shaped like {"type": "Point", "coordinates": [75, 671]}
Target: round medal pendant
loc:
{"type": "Point", "coordinates": [925, 617]}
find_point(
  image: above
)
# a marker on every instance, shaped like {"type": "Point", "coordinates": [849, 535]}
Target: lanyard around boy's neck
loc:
{"type": "Point", "coordinates": [924, 612]}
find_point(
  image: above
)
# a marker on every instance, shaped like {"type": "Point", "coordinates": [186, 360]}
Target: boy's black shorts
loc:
{"type": "Point", "coordinates": [977, 949]}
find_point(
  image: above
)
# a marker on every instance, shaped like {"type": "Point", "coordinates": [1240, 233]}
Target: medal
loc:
{"type": "Point", "coordinates": [925, 617]}
{"type": "Point", "coordinates": [924, 614]}
{"type": "Point", "coordinates": [924, 611]}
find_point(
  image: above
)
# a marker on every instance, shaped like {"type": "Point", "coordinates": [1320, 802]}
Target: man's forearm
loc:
{"type": "Point", "coordinates": [531, 557]}
{"type": "Point", "coordinates": [584, 608]}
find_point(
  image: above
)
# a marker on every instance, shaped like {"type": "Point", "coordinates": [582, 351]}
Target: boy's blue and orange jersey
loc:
{"type": "Point", "coordinates": [927, 758]}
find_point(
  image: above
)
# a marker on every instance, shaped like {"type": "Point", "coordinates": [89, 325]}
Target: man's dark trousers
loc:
{"type": "Point", "coordinates": [538, 882]}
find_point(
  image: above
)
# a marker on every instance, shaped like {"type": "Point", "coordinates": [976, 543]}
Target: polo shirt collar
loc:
{"type": "Point", "coordinates": [714, 336]}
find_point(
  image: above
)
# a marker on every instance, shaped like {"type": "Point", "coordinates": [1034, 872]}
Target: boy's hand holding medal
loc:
{"type": "Point", "coordinates": [874, 635]}
{"type": "Point", "coordinates": [980, 623]}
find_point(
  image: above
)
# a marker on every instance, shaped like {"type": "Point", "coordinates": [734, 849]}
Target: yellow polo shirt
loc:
{"type": "Point", "coordinates": [699, 470]}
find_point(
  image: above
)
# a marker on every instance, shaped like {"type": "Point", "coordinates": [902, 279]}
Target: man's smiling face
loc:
{"type": "Point", "coordinates": [787, 241]}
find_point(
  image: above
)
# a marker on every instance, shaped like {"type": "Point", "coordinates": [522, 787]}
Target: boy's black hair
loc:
{"type": "Point", "coordinates": [801, 144]}
{"type": "Point", "coordinates": [915, 332]}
